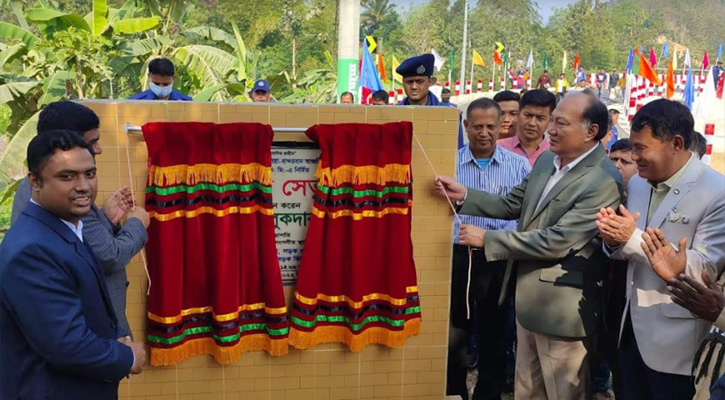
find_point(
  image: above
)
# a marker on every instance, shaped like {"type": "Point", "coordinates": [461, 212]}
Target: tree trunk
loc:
{"type": "Point", "coordinates": [294, 63]}
{"type": "Point", "coordinates": [79, 79]}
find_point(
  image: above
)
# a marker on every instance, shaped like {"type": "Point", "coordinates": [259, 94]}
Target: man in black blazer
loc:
{"type": "Point", "coordinates": [59, 335]}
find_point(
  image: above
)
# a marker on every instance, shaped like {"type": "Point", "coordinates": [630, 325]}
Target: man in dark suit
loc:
{"type": "Point", "coordinates": [59, 336]}
{"type": "Point", "coordinates": [114, 245]}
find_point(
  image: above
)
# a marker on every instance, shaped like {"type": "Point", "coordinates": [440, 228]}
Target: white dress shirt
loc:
{"type": "Point", "coordinates": [559, 172]}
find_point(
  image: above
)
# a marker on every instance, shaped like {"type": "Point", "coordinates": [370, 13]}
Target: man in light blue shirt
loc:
{"type": "Point", "coordinates": [484, 166]}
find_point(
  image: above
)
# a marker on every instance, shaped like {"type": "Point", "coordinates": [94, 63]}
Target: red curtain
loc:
{"type": "Point", "coordinates": [215, 281]}
{"type": "Point", "coordinates": [357, 282]}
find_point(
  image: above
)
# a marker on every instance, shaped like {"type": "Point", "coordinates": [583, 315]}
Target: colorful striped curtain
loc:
{"type": "Point", "coordinates": [356, 281]}
{"type": "Point", "coordinates": [215, 280]}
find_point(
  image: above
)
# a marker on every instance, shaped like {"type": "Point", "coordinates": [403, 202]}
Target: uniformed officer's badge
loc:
{"type": "Point", "coordinates": [421, 69]}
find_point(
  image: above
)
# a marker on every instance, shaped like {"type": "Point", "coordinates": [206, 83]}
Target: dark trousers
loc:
{"type": "Point", "coordinates": [639, 382]}
{"type": "Point", "coordinates": [486, 284]}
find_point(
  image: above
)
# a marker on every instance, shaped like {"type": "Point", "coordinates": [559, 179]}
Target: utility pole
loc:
{"type": "Point", "coordinates": [348, 44]}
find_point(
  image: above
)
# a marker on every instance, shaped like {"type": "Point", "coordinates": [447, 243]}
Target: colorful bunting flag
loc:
{"type": "Point", "coordinates": [396, 75]}
{"type": "Point", "coordinates": [381, 67]}
{"type": "Point", "coordinates": [439, 61]}
{"type": "Point", "coordinates": [647, 71]}
{"type": "Point", "coordinates": [496, 58]}
{"type": "Point", "coordinates": [665, 50]}
{"type": "Point", "coordinates": [563, 63]}
{"type": "Point", "coordinates": [530, 60]}
{"type": "Point", "coordinates": [670, 80]}
{"type": "Point", "coordinates": [652, 57]}
{"type": "Point", "coordinates": [368, 73]}
{"type": "Point", "coordinates": [577, 61]}
{"type": "Point", "coordinates": [705, 61]}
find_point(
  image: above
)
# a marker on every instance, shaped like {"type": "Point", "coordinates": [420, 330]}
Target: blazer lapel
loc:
{"type": "Point", "coordinates": [640, 201]}
{"type": "Point", "coordinates": [533, 192]}
{"type": "Point", "coordinates": [678, 192]}
{"type": "Point", "coordinates": [569, 178]}
{"type": "Point", "coordinates": [82, 249]}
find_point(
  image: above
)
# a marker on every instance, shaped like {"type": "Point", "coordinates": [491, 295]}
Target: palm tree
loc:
{"type": "Point", "coordinates": [375, 12]}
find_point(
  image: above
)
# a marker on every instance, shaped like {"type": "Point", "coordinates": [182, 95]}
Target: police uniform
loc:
{"type": "Point", "coordinates": [423, 66]}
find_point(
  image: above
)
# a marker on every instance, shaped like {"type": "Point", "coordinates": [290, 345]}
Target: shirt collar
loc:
{"type": "Point", "coordinates": [469, 157]}
{"type": "Point", "coordinates": [571, 165]}
{"type": "Point", "coordinates": [667, 185]}
{"type": "Point", "coordinates": [78, 231]}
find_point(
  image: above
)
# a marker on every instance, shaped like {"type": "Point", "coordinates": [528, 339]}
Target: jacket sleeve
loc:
{"type": "Point", "coordinates": [41, 295]}
{"type": "Point", "coordinates": [484, 204]}
{"type": "Point", "coordinates": [573, 231]}
{"type": "Point", "coordinates": [114, 252]}
{"type": "Point", "coordinates": [706, 248]}
{"type": "Point", "coordinates": [21, 199]}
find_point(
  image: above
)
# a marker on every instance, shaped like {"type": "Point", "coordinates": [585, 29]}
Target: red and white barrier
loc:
{"type": "Point", "coordinates": [468, 87]}
{"type": "Point", "coordinates": [391, 97]}
{"type": "Point", "coordinates": [458, 88]}
{"type": "Point", "coordinates": [490, 84]}
{"type": "Point", "coordinates": [447, 85]}
{"type": "Point", "coordinates": [400, 95]}
{"type": "Point", "coordinates": [479, 86]}
{"type": "Point", "coordinates": [502, 84]}
{"type": "Point", "coordinates": [710, 136]}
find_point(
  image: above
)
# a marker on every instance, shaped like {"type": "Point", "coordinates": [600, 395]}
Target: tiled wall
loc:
{"type": "Point", "coordinates": [416, 371]}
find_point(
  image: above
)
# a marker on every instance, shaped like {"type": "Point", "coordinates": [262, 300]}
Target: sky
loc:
{"type": "Point", "coordinates": [546, 6]}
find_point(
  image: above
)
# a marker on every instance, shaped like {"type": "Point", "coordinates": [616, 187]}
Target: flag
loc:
{"type": "Point", "coordinates": [688, 62]}
{"type": "Point", "coordinates": [652, 57]}
{"type": "Point", "coordinates": [719, 51]}
{"type": "Point", "coordinates": [674, 59]}
{"type": "Point", "coordinates": [705, 60]}
{"type": "Point", "coordinates": [635, 62]}
{"type": "Point", "coordinates": [706, 97]}
{"type": "Point", "coordinates": [545, 61]}
{"type": "Point", "coordinates": [689, 95]}
{"type": "Point", "coordinates": [396, 75]}
{"type": "Point", "coordinates": [665, 50]}
{"type": "Point", "coordinates": [577, 61]}
{"type": "Point", "coordinates": [646, 71]}
{"type": "Point", "coordinates": [496, 58]}
{"type": "Point", "coordinates": [670, 80]}
{"type": "Point", "coordinates": [477, 59]}
{"type": "Point", "coordinates": [506, 56]}
{"type": "Point", "coordinates": [530, 61]}
{"type": "Point", "coordinates": [381, 67]}
{"type": "Point", "coordinates": [371, 43]}
{"type": "Point", "coordinates": [368, 73]}
{"type": "Point", "coordinates": [563, 63]}
{"type": "Point", "coordinates": [630, 60]}
{"type": "Point", "coordinates": [439, 61]}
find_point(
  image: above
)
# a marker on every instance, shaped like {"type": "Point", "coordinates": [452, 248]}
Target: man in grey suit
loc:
{"type": "Point", "coordinates": [114, 245]}
{"type": "Point", "coordinates": [684, 198]}
{"type": "Point", "coordinates": [555, 249]}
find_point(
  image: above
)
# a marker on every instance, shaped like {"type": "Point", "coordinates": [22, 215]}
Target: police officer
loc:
{"type": "Point", "coordinates": [417, 72]}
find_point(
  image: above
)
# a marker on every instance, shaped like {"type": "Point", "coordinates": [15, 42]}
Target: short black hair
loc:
{"type": "Point", "coordinates": [506, 95]}
{"type": "Point", "coordinates": [538, 98]}
{"type": "Point", "coordinates": [446, 91]}
{"type": "Point", "coordinates": [596, 113]}
{"type": "Point", "coordinates": [347, 94]}
{"type": "Point", "coordinates": [621, 145]}
{"type": "Point", "coordinates": [699, 144]}
{"type": "Point", "coordinates": [67, 115]}
{"type": "Point", "coordinates": [161, 66]}
{"type": "Point", "coordinates": [42, 147]}
{"type": "Point", "coordinates": [381, 95]}
{"type": "Point", "coordinates": [666, 119]}
{"type": "Point", "coordinates": [483, 103]}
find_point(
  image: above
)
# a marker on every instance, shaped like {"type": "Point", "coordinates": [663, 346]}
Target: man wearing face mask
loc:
{"type": "Point", "coordinates": [161, 83]}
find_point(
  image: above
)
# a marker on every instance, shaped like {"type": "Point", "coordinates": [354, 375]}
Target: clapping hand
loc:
{"type": "Point", "coordinates": [616, 229]}
{"type": "Point", "coordinates": [118, 204]}
{"type": "Point", "coordinates": [666, 261]}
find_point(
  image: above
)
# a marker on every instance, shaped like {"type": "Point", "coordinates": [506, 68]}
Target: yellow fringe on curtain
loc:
{"type": "Point", "coordinates": [184, 174]}
{"type": "Point", "coordinates": [368, 174]}
{"type": "Point", "coordinates": [223, 355]}
{"type": "Point", "coordinates": [341, 334]}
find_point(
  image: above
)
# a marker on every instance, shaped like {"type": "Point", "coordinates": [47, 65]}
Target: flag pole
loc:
{"type": "Point", "coordinates": [463, 45]}
{"type": "Point", "coordinates": [471, 73]}
{"type": "Point", "coordinates": [392, 73]}
{"type": "Point", "coordinates": [493, 75]}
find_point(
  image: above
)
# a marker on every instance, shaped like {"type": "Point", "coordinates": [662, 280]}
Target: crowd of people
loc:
{"type": "Point", "coordinates": [584, 252]}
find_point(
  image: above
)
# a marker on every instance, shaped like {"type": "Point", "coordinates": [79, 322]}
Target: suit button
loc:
{"type": "Point", "coordinates": [113, 325]}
